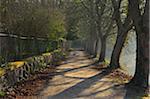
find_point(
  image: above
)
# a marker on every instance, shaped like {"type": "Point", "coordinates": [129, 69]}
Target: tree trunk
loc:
{"type": "Point", "coordinates": [123, 29]}
{"type": "Point", "coordinates": [121, 37]}
{"type": "Point", "coordinates": [141, 23]}
{"type": "Point", "coordinates": [85, 45]}
{"type": "Point", "coordinates": [140, 78]}
{"type": "Point", "coordinates": [91, 47]}
{"type": "Point", "coordinates": [88, 46]}
{"type": "Point", "coordinates": [95, 48]}
{"type": "Point", "coordinates": [103, 50]}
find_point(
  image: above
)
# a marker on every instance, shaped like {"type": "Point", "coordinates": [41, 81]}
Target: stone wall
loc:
{"type": "Point", "coordinates": [21, 71]}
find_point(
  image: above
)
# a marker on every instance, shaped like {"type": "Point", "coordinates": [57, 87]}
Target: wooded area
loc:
{"type": "Point", "coordinates": [33, 27]}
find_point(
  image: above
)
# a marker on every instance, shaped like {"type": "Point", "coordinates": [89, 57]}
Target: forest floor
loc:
{"type": "Point", "coordinates": [77, 77]}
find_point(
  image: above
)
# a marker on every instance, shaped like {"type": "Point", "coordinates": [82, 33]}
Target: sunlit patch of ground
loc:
{"type": "Point", "coordinates": [84, 73]}
{"type": "Point", "coordinates": [58, 85]}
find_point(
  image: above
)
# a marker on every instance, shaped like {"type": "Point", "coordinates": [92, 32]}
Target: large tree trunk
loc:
{"type": "Point", "coordinates": [121, 37]}
{"type": "Point", "coordinates": [140, 78]}
{"type": "Point", "coordinates": [103, 50]}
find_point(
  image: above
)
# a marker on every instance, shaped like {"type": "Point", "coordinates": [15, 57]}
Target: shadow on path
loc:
{"type": "Point", "coordinates": [73, 91]}
{"type": "Point", "coordinates": [69, 70]}
{"type": "Point", "coordinates": [118, 86]}
{"type": "Point", "coordinates": [134, 93]}
{"type": "Point", "coordinates": [49, 76]}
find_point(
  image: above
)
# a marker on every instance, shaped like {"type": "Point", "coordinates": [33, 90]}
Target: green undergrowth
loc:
{"type": "Point", "coordinates": [2, 93]}
{"type": "Point", "coordinates": [70, 49]}
{"type": "Point", "coordinates": [106, 62]}
{"type": "Point", "coordinates": [57, 56]}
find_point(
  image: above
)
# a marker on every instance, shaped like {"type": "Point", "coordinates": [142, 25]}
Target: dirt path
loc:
{"type": "Point", "coordinates": [76, 78]}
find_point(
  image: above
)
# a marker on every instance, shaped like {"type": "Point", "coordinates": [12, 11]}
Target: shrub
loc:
{"type": "Point", "coordinates": [57, 55]}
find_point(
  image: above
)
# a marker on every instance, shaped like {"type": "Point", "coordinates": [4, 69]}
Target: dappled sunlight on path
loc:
{"type": "Point", "coordinates": [76, 78]}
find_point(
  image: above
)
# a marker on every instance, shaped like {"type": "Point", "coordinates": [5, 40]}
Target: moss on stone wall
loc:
{"type": "Point", "coordinates": [18, 71]}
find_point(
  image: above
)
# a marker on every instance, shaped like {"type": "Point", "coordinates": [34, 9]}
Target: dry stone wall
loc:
{"type": "Point", "coordinates": [29, 66]}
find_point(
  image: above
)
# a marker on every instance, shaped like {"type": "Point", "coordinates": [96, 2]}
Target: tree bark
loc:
{"type": "Point", "coordinates": [121, 37]}
{"type": "Point", "coordinates": [88, 46]}
{"type": "Point", "coordinates": [140, 78]}
{"type": "Point", "coordinates": [123, 29]}
{"type": "Point", "coordinates": [103, 50]}
{"type": "Point", "coordinates": [95, 48]}
{"type": "Point", "coordinates": [141, 24]}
